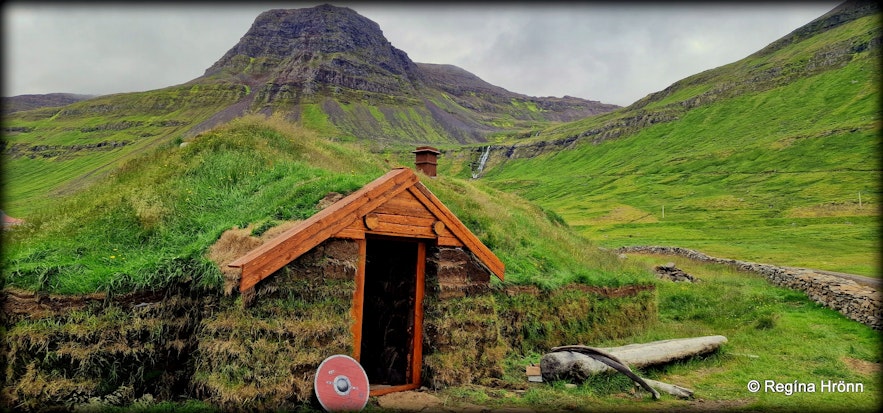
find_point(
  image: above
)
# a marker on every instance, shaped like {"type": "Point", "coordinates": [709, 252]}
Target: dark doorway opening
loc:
{"type": "Point", "coordinates": [388, 318]}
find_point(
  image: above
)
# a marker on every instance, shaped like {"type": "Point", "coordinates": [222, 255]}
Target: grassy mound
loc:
{"type": "Point", "coordinates": [151, 222]}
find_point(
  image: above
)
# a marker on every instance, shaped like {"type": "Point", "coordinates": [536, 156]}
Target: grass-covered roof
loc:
{"type": "Point", "coordinates": [151, 221]}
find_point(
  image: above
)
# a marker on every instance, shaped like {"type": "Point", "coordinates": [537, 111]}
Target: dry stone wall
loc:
{"type": "Point", "coordinates": [858, 302]}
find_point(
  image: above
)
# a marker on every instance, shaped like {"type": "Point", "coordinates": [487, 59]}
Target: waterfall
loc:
{"type": "Point", "coordinates": [481, 162]}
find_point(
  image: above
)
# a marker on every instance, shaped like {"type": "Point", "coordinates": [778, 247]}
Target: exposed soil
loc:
{"type": "Point", "coordinates": [426, 401]}
{"type": "Point", "coordinates": [411, 401]}
{"type": "Point", "coordinates": [39, 304]}
{"type": "Point", "coordinates": [701, 405]}
{"type": "Point", "coordinates": [863, 367]}
{"type": "Point", "coordinates": [612, 292]}
{"type": "Point", "coordinates": [861, 279]}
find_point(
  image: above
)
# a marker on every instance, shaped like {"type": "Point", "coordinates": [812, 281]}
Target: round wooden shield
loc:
{"type": "Point", "coordinates": [341, 384]}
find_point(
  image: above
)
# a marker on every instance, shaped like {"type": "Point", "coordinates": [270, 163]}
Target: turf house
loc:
{"type": "Point", "coordinates": [387, 275]}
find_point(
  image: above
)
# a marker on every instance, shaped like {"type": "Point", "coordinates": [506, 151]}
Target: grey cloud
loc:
{"type": "Point", "coordinates": [607, 52]}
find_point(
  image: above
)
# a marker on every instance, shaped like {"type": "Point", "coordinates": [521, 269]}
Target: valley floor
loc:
{"type": "Point", "coordinates": [774, 333]}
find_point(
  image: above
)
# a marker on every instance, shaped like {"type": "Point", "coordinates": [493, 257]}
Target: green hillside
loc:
{"type": "Point", "coordinates": [150, 222]}
{"type": "Point", "coordinates": [52, 152]}
{"type": "Point", "coordinates": [773, 158]}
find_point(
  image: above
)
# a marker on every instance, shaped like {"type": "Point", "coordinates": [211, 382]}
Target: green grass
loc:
{"type": "Point", "coordinates": [150, 222]}
{"type": "Point", "coordinates": [773, 334]}
{"type": "Point", "coordinates": [144, 120]}
{"type": "Point", "coordinates": [767, 170]}
{"type": "Point", "coordinates": [771, 175]}
{"type": "Point", "coordinates": [312, 117]}
{"type": "Point", "coordinates": [535, 244]}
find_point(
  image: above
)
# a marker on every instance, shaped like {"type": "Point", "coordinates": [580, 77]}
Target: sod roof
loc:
{"type": "Point", "coordinates": [396, 204]}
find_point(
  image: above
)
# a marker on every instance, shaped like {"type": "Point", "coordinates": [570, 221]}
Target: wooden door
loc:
{"type": "Point", "coordinates": [388, 309]}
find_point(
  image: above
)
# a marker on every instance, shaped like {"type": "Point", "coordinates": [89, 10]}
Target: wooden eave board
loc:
{"type": "Point", "coordinates": [456, 227]}
{"type": "Point", "coordinates": [275, 254]}
{"type": "Point", "coordinates": [399, 206]}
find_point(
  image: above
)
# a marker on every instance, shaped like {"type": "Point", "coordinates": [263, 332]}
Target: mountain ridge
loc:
{"type": "Point", "coordinates": [335, 58]}
{"type": "Point", "coordinates": [756, 72]}
{"type": "Point", "coordinates": [19, 103]}
{"type": "Point", "coordinates": [320, 46]}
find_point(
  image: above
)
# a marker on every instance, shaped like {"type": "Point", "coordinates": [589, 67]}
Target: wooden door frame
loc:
{"type": "Point", "coordinates": [358, 312]}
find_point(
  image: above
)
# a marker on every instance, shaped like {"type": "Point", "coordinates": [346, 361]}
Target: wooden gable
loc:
{"type": "Point", "coordinates": [396, 204]}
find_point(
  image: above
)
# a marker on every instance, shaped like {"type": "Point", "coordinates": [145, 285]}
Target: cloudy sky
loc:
{"type": "Point", "coordinates": [606, 51]}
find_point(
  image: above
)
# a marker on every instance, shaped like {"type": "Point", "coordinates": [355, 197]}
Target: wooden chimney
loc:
{"type": "Point", "coordinates": [426, 160]}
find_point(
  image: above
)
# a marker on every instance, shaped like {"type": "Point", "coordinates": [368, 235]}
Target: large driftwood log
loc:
{"type": "Point", "coordinates": [564, 364]}
{"type": "Point", "coordinates": [577, 363]}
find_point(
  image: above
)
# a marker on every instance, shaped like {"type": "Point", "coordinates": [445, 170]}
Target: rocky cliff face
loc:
{"type": "Point", "coordinates": [472, 92]}
{"type": "Point", "coordinates": [305, 51]}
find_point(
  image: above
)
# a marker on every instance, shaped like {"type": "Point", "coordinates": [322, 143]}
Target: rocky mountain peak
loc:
{"type": "Point", "coordinates": [317, 47]}
{"type": "Point", "coordinates": [340, 60]}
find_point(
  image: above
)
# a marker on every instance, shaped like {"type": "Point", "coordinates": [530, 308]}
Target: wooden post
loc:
{"type": "Point", "coordinates": [417, 360]}
{"type": "Point", "coordinates": [859, 199]}
{"type": "Point", "coordinates": [359, 299]}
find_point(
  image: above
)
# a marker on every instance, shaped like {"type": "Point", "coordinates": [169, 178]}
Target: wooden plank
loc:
{"type": "Point", "coordinates": [353, 201]}
{"type": "Point", "coordinates": [399, 230]}
{"type": "Point", "coordinates": [350, 233]}
{"type": "Point", "coordinates": [371, 221]}
{"type": "Point", "coordinates": [380, 390]}
{"type": "Point", "coordinates": [384, 193]}
{"type": "Point", "coordinates": [358, 225]}
{"type": "Point", "coordinates": [359, 300]}
{"type": "Point", "coordinates": [321, 218]}
{"type": "Point", "coordinates": [404, 204]}
{"type": "Point", "coordinates": [449, 242]}
{"type": "Point", "coordinates": [405, 220]}
{"type": "Point", "coordinates": [481, 251]}
{"type": "Point", "coordinates": [445, 232]}
{"type": "Point", "coordinates": [289, 249]}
